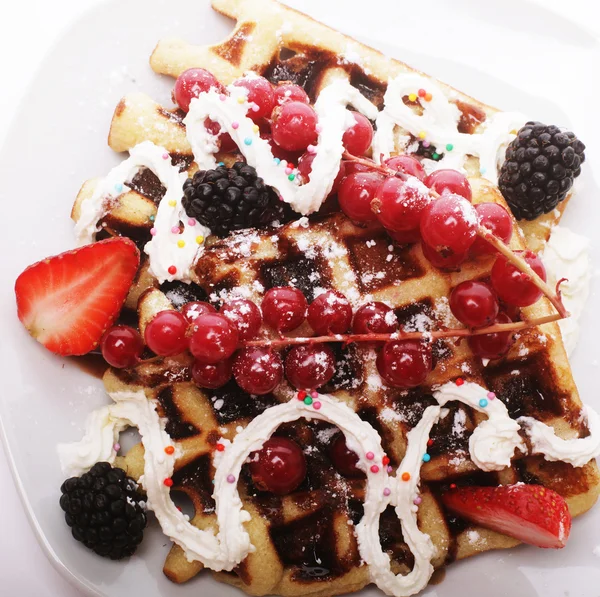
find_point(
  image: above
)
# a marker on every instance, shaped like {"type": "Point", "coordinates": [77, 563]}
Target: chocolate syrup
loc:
{"type": "Point", "coordinates": [177, 427]}
{"type": "Point", "coordinates": [92, 363]}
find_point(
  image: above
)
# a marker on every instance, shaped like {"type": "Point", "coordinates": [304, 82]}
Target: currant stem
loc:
{"type": "Point", "coordinates": [451, 333]}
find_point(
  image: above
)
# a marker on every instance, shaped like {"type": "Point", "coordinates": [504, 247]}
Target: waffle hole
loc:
{"type": "Point", "coordinates": [128, 439]}
{"type": "Point", "coordinates": [286, 54]}
{"type": "Point", "coordinates": [183, 502]}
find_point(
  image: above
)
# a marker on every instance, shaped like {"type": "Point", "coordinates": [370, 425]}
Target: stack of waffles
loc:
{"type": "Point", "coordinates": [305, 542]}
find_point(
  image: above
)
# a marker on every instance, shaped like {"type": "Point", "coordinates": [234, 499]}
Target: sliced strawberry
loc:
{"type": "Point", "coordinates": [68, 301]}
{"type": "Point", "coordinates": [530, 513]}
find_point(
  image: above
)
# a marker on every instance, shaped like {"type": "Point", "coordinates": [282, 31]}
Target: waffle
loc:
{"type": "Point", "coordinates": [305, 541]}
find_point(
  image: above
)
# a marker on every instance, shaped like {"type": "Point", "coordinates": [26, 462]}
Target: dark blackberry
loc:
{"type": "Point", "coordinates": [540, 167]}
{"type": "Point", "coordinates": [104, 511]}
{"type": "Point", "coordinates": [228, 199]}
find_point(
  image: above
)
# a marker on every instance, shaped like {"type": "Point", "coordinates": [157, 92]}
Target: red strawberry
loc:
{"type": "Point", "coordinates": [67, 302]}
{"type": "Point", "coordinates": [530, 513]}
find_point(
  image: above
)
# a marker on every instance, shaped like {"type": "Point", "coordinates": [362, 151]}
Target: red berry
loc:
{"type": "Point", "coordinates": [245, 317]}
{"type": "Point", "coordinates": [214, 339]}
{"type": "Point", "coordinates": [406, 237]}
{"type": "Point", "coordinates": [284, 308]}
{"type": "Point", "coordinates": [344, 459]}
{"type": "Point", "coordinates": [401, 204]}
{"type": "Point", "coordinates": [513, 286]}
{"type": "Point", "coordinates": [211, 376]}
{"type": "Point", "coordinates": [498, 221]}
{"type": "Point", "coordinates": [226, 143]}
{"type": "Point", "coordinates": [191, 83]}
{"type": "Point", "coordinates": [305, 168]}
{"type": "Point", "coordinates": [450, 181]}
{"type": "Point", "coordinates": [330, 313]}
{"type": "Point", "coordinates": [375, 318]}
{"type": "Point", "coordinates": [492, 346]}
{"type": "Point", "coordinates": [191, 311]}
{"type": "Point", "coordinates": [356, 193]}
{"type": "Point", "coordinates": [474, 304]}
{"type": "Point", "coordinates": [165, 335]}
{"type": "Point", "coordinates": [408, 165]}
{"type": "Point", "coordinates": [260, 94]}
{"type": "Point", "coordinates": [444, 260]}
{"type": "Point", "coordinates": [357, 139]}
{"type": "Point", "coordinates": [295, 126]}
{"type": "Point", "coordinates": [121, 346]}
{"type": "Point", "coordinates": [288, 92]}
{"type": "Point", "coordinates": [278, 152]}
{"type": "Point", "coordinates": [404, 363]}
{"type": "Point", "coordinates": [354, 167]}
{"type": "Point", "coordinates": [309, 366]}
{"type": "Point", "coordinates": [257, 370]}
{"type": "Point", "coordinates": [279, 467]}
{"type": "Point", "coordinates": [449, 224]}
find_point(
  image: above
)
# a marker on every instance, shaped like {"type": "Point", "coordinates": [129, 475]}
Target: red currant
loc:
{"type": "Point", "coordinates": [121, 346]}
{"type": "Point", "coordinates": [404, 363]}
{"type": "Point", "coordinates": [226, 143]}
{"type": "Point", "coordinates": [356, 193]}
{"type": "Point", "coordinates": [211, 376]}
{"type": "Point", "coordinates": [401, 204]}
{"type": "Point", "coordinates": [330, 313]}
{"type": "Point", "coordinates": [449, 224]}
{"type": "Point", "coordinates": [305, 168]}
{"type": "Point", "coordinates": [191, 311]}
{"type": "Point", "coordinates": [309, 366]}
{"type": "Point", "coordinates": [288, 92]}
{"type": "Point", "coordinates": [354, 167]}
{"type": "Point", "coordinates": [279, 467]}
{"type": "Point", "coordinates": [375, 318]}
{"type": "Point", "coordinates": [474, 304]}
{"type": "Point", "coordinates": [492, 346]}
{"type": "Point", "coordinates": [260, 94]}
{"type": "Point", "coordinates": [444, 260]}
{"type": "Point", "coordinates": [344, 459]}
{"type": "Point", "coordinates": [405, 237]}
{"type": "Point", "coordinates": [291, 157]}
{"type": "Point", "coordinates": [295, 126]}
{"type": "Point", "coordinates": [165, 335]}
{"type": "Point", "coordinates": [498, 221]}
{"type": "Point", "coordinates": [357, 139]}
{"type": "Point", "coordinates": [214, 339]}
{"type": "Point", "coordinates": [450, 181]}
{"type": "Point", "coordinates": [513, 286]}
{"type": "Point", "coordinates": [284, 308]}
{"type": "Point", "coordinates": [191, 83]}
{"type": "Point", "coordinates": [257, 370]}
{"type": "Point", "coordinates": [245, 317]}
{"type": "Point", "coordinates": [408, 165]}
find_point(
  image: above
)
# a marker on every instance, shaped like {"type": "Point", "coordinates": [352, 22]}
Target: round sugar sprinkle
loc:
{"type": "Point", "coordinates": [181, 244]}
{"type": "Point", "coordinates": [417, 501]}
{"type": "Point", "coordinates": [422, 135]}
{"type": "Point", "coordinates": [426, 144]}
{"type": "Point", "coordinates": [311, 149]}
{"type": "Point", "coordinates": [168, 482]}
{"type": "Point", "coordinates": [459, 381]}
{"type": "Point", "coordinates": [152, 218]}
{"type": "Point", "coordinates": [119, 188]}
{"type": "Point", "coordinates": [172, 203]}
{"type": "Point", "coordinates": [412, 97]}
{"type": "Point", "coordinates": [314, 394]}
{"type": "Point", "coordinates": [491, 395]}
{"type": "Point", "coordinates": [165, 156]}
{"type": "Point", "coordinates": [421, 92]}
{"type": "Point", "coordinates": [482, 171]}
{"type": "Point", "coordinates": [230, 479]}
{"type": "Point", "coordinates": [247, 141]}
{"type": "Point", "coordinates": [483, 402]}
{"type": "Point", "coordinates": [317, 405]}
{"type": "Point", "coordinates": [221, 164]}
{"type": "Point", "coordinates": [175, 229]}
{"type": "Point", "coordinates": [191, 222]}
{"type": "Point", "coordinates": [241, 99]}
{"type": "Point", "coordinates": [169, 450]}
{"type": "Point", "coordinates": [319, 128]}
{"type": "Point", "coordinates": [374, 469]}
{"type": "Point", "coordinates": [255, 107]}
{"type": "Point", "coordinates": [117, 447]}
{"type": "Point", "coordinates": [200, 239]}
{"type": "Point", "coordinates": [220, 447]}
{"type": "Point", "coordinates": [256, 128]}
{"type": "Point", "coordinates": [426, 457]}
{"type": "Point", "coordinates": [428, 97]}
{"type": "Point", "coordinates": [405, 476]}
{"type": "Point", "coordinates": [449, 147]}
{"type": "Point", "coordinates": [308, 401]}
{"type": "Point", "coordinates": [235, 125]}
{"type": "Point", "coordinates": [153, 231]}
{"type": "Point", "coordinates": [389, 469]}
{"type": "Point", "coordinates": [369, 455]}
{"type": "Point", "coordinates": [277, 161]}
{"type": "Point", "coordinates": [288, 170]}
{"type": "Point", "coordinates": [435, 156]}
{"type": "Point", "coordinates": [222, 97]}
{"type": "Point", "coordinates": [387, 491]}
{"type": "Point", "coordinates": [301, 395]}
{"type": "Point", "coordinates": [291, 177]}
{"type": "Point", "coordinates": [172, 270]}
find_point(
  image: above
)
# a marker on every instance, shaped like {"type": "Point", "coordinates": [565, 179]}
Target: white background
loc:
{"type": "Point", "coordinates": [26, 34]}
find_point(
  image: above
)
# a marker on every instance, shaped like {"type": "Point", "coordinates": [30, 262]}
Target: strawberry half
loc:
{"type": "Point", "coordinates": [68, 301]}
{"type": "Point", "coordinates": [530, 513]}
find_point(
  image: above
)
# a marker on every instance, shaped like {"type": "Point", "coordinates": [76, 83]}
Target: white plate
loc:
{"type": "Point", "coordinates": [508, 53]}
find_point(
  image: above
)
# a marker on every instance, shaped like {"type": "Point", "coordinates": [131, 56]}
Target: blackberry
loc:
{"type": "Point", "coordinates": [228, 199]}
{"type": "Point", "coordinates": [104, 511]}
{"type": "Point", "coordinates": [540, 167]}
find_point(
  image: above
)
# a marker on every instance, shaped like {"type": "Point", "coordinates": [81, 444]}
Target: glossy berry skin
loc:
{"type": "Point", "coordinates": [358, 138]}
{"type": "Point", "coordinates": [214, 339]}
{"type": "Point", "coordinates": [295, 126]}
{"type": "Point", "coordinates": [288, 92]}
{"type": "Point", "coordinates": [408, 165]}
{"type": "Point", "coordinates": [309, 366]}
{"type": "Point", "coordinates": [356, 193]}
{"type": "Point", "coordinates": [443, 260]}
{"type": "Point", "coordinates": [305, 168]}
{"type": "Point", "coordinates": [492, 346]}
{"type": "Point", "coordinates": [245, 317]}
{"type": "Point", "coordinates": [121, 346]}
{"type": "Point", "coordinates": [191, 83]}
{"type": "Point", "coordinates": [498, 221]}
{"type": "Point", "coordinates": [353, 167]}
{"type": "Point", "coordinates": [284, 308]}
{"type": "Point", "coordinates": [375, 318]}
{"type": "Point", "coordinates": [344, 459]}
{"type": "Point", "coordinates": [449, 181]}
{"type": "Point", "coordinates": [191, 311]}
{"type": "Point", "coordinates": [211, 376]}
{"type": "Point", "coordinates": [404, 363]}
{"type": "Point", "coordinates": [449, 224]}
{"type": "Point", "coordinates": [474, 304]}
{"type": "Point", "coordinates": [260, 93]}
{"type": "Point", "coordinates": [515, 287]}
{"type": "Point", "coordinates": [401, 204]}
{"type": "Point", "coordinates": [330, 313]}
{"type": "Point", "coordinates": [279, 467]}
{"type": "Point", "coordinates": [291, 157]}
{"type": "Point", "coordinates": [225, 142]}
{"type": "Point", "coordinates": [257, 370]}
{"type": "Point", "coordinates": [406, 237]}
{"type": "Point", "coordinates": [165, 334]}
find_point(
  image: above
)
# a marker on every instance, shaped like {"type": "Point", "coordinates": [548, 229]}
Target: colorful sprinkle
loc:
{"type": "Point", "coordinates": [317, 405]}
{"type": "Point", "coordinates": [222, 97]}
{"type": "Point", "coordinates": [247, 141]}
{"type": "Point", "coordinates": [291, 177]}
{"type": "Point", "coordinates": [422, 135]}
{"type": "Point", "coordinates": [314, 394]}
{"type": "Point", "coordinates": [426, 457]}
{"type": "Point", "coordinates": [421, 92]}
{"type": "Point", "coordinates": [221, 164]}
{"type": "Point", "coordinates": [319, 128]}
{"type": "Point", "coordinates": [459, 381]}
{"type": "Point", "coordinates": [172, 203]}
{"type": "Point", "coordinates": [452, 485]}
{"type": "Point", "coordinates": [172, 270]}
{"type": "Point", "coordinates": [169, 450]}
{"type": "Point", "coordinates": [191, 222]}
{"type": "Point", "coordinates": [308, 401]}
{"type": "Point", "coordinates": [117, 447]}
{"type": "Point", "coordinates": [153, 231]}
{"type": "Point", "coordinates": [220, 447]}
{"type": "Point", "coordinates": [301, 395]}
{"type": "Point", "coordinates": [491, 395]}
{"type": "Point", "coordinates": [200, 239]}
{"type": "Point", "coordinates": [482, 171]}
{"type": "Point", "coordinates": [241, 99]}
{"type": "Point", "coordinates": [429, 443]}
{"type": "Point", "coordinates": [385, 461]}
{"type": "Point", "coordinates": [369, 456]}
{"type": "Point", "coordinates": [230, 479]}
{"type": "Point", "coordinates": [374, 469]}
{"type": "Point", "coordinates": [277, 161]}
{"type": "Point", "coordinates": [175, 229]}
{"type": "Point", "coordinates": [235, 125]}
{"type": "Point", "coordinates": [387, 491]}
{"type": "Point", "coordinates": [389, 469]}
{"type": "Point", "coordinates": [428, 97]}
{"type": "Point", "coordinates": [426, 144]}
{"type": "Point", "coordinates": [412, 97]}
{"type": "Point", "coordinates": [152, 218]}
{"type": "Point", "coordinates": [311, 149]}
{"type": "Point", "coordinates": [449, 147]}
{"type": "Point", "coordinates": [255, 107]}
{"type": "Point", "coordinates": [435, 156]}
{"type": "Point", "coordinates": [165, 156]}
{"type": "Point", "coordinates": [483, 402]}
{"type": "Point", "coordinates": [288, 170]}
{"type": "Point", "coordinates": [168, 482]}
{"type": "Point", "coordinates": [256, 128]}
{"type": "Point", "coordinates": [119, 188]}
{"type": "Point", "coordinates": [181, 244]}
{"type": "Point", "coordinates": [417, 501]}
{"type": "Point", "coordinates": [405, 476]}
